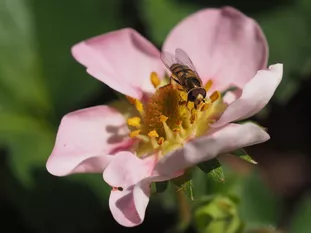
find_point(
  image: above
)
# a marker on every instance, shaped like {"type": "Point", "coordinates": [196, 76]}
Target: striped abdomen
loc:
{"type": "Point", "coordinates": [186, 76]}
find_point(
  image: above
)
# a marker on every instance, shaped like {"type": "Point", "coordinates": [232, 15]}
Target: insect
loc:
{"type": "Point", "coordinates": [185, 74]}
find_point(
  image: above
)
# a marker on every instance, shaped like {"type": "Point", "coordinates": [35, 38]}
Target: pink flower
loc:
{"type": "Point", "coordinates": [227, 48]}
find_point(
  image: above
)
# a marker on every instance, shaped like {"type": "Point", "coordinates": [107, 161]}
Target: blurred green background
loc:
{"type": "Point", "coordinates": [40, 82]}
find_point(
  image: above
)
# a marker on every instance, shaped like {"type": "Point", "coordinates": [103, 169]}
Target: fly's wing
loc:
{"type": "Point", "coordinates": [169, 59]}
{"type": "Point", "coordinates": [182, 58]}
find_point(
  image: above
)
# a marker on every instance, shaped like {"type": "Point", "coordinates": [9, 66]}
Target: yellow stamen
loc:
{"type": "Point", "coordinates": [155, 79]}
{"type": "Point", "coordinates": [134, 121]}
{"type": "Point", "coordinates": [153, 134]}
{"type": "Point", "coordinates": [183, 103]}
{"type": "Point", "coordinates": [205, 106]}
{"type": "Point", "coordinates": [163, 118]}
{"type": "Point", "coordinates": [176, 130]}
{"type": "Point", "coordinates": [215, 96]}
{"type": "Point", "coordinates": [130, 99]}
{"type": "Point", "coordinates": [161, 140]}
{"type": "Point", "coordinates": [208, 85]}
{"type": "Point", "coordinates": [193, 117]}
{"type": "Point", "coordinates": [166, 120]}
{"type": "Point", "coordinates": [134, 133]}
{"type": "Point", "coordinates": [139, 106]}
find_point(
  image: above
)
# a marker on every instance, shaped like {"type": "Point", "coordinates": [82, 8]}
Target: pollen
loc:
{"type": "Point", "coordinates": [161, 140]}
{"type": "Point", "coordinates": [153, 134]}
{"type": "Point", "coordinates": [193, 117]}
{"type": "Point", "coordinates": [204, 106]}
{"type": "Point", "coordinates": [134, 133]}
{"type": "Point", "coordinates": [139, 106]}
{"type": "Point", "coordinates": [163, 118]}
{"type": "Point", "coordinates": [155, 80]}
{"type": "Point", "coordinates": [208, 85]}
{"type": "Point", "coordinates": [134, 121]}
{"type": "Point", "coordinates": [215, 96]}
{"type": "Point", "coordinates": [176, 130]}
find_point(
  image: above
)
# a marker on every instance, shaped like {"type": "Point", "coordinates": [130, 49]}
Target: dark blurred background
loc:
{"type": "Point", "coordinates": [40, 82]}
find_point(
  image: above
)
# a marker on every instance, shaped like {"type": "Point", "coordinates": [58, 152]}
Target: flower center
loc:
{"type": "Point", "coordinates": [167, 120]}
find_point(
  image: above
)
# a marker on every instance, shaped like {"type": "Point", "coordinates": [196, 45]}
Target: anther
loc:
{"type": "Point", "coordinates": [215, 96]}
{"type": "Point", "coordinates": [208, 85]}
{"type": "Point", "coordinates": [193, 117]}
{"type": "Point", "coordinates": [153, 134]}
{"type": "Point", "coordinates": [134, 133]}
{"type": "Point", "coordinates": [134, 121]}
{"type": "Point", "coordinates": [182, 102]}
{"type": "Point", "coordinates": [139, 106]}
{"type": "Point", "coordinates": [154, 78]}
{"type": "Point", "coordinates": [163, 118]}
{"type": "Point", "coordinates": [176, 130]}
{"type": "Point", "coordinates": [161, 140]}
{"type": "Point", "coordinates": [205, 106]}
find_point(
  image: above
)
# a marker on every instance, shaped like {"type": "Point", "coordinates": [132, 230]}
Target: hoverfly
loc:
{"type": "Point", "coordinates": [185, 74]}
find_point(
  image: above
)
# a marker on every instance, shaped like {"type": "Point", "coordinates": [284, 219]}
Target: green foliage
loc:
{"type": "Point", "coordinates": [301, 220]}
{"type": "Point", "coordinates": [213, 169]}
{"type": "Point", "coordinates": [241, 153]}
{"type": "Point", "coordinates": [40, 82]}
{"type": "Point", "coordinates": [162, 15]}
{"type": "Point", "coordinates": [258, 207]}
{"type": "Point", "coordinates": [184, 183]}
{"type": "Point", "coordinates": [217, 214]}
{"type": "Point", "coordinates": [21, 83]}
{"type": "Point", "coordinates": [286, 29]}
{"type": "Point", "coordinates": [159, 187]}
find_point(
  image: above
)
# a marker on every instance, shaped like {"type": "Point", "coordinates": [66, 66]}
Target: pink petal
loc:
{"type": "Point", "coordinates": [128, 171]}
{"type": "Point", "coordinates": [134, 176]}
{"type": "Point", "coordinates": [231, 96]}
{"type": "Point", "coordinates": [224, 45]}
{"type": "Point", "coordinates": [221, 140]}
{"type": "Point", "coordinates": [122, 59]}
{"type": "Point", "coordinates": [122, 207]}
{"type": "Point", "coordinates": [86, 139]}
{"type": "Point", "coordinates": [255, 95]}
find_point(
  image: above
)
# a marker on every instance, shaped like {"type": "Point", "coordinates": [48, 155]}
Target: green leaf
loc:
{"type": "Point", "coordinates": [286, 29]}
{"type": "Point", "coordinates": [29, 142]}
{"type": "Point", "coordinates": [184, 183]}
{"type": "Point", "coordinates": [259, 207]}
{"type": "Point", "coordinates": [243, 155]}
{"type": "Point", "coordinates": [21, 83]}
{"type": "Point", "coordinates": [159, 187]}
{"type": "Point", "coordinates": [162, 15]}
{"type": "Point", "coordinates": [301, 221]}
{"type": "Point", "coordinates": [213, 169]}
{"type": "Point", "coordinates": [68, 81]}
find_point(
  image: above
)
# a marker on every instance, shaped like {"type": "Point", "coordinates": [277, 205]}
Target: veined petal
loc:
{"type": "Point", "coordinates": [221, 140]}
{"type": "Point", "coordinates": [124, 173]}
{"type": "Point", "coordinates": [225, 46]}
{"type": "Point", "coordinates": [122, 59]}
{"type": "Point", "coordinates": [255, 95]}
{"type": "Point", "coordinates": [130, 178]}
{"type": "Point", "coordinates": [86, 141]}
{"type": "Point", "coordinates": [122, 207]}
